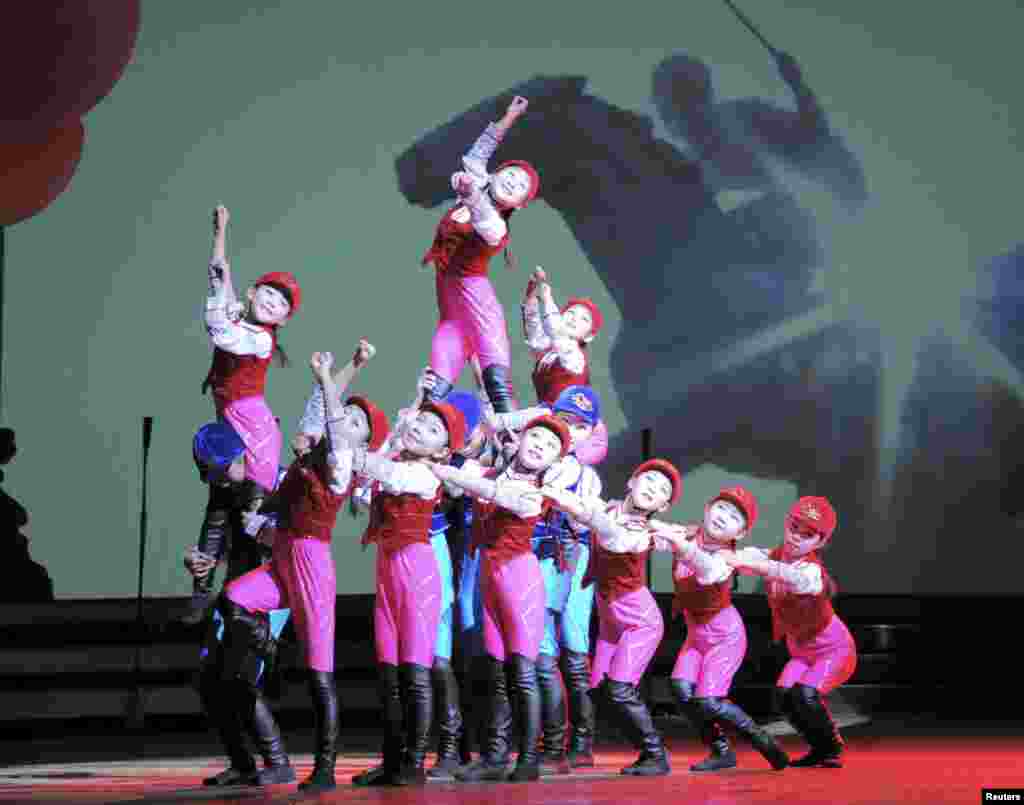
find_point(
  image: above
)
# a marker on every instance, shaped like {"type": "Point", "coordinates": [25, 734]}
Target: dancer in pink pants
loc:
{"type": "Point", "coordinates": [472, 322]}
{"type": "Point", "coordinates": [301, 574]}
{"type": "Point", "coordinates": [822, 651]}
{"type": "Point", "coordinates": [244, 340]}
{"type": "Point", "coordinates": [631, 626]}
{"type": "Point", "coordinates": [559, 339]}
{"type": "Point", "coordinates": [508, 506]}
{"type": "Point", "coordinates": [407, 607]}
{"type": "Point", "coordinates": [716, 639]}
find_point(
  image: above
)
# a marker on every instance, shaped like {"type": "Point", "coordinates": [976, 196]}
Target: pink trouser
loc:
{"type": "Point", "coordinates": [472, 322]}
{"type": "Point", "coordinates": [824, 662]}
{"type": "Point", "coordinates": [300, 577]}
{"type": "Point", "coordinates": [631, 628]}
{"type": "Point", "coordinates": [593, 451]}
{"type": "Point", "coordinates": [407, 608]}
{"type": "Point", "coordinates": [514, 597]}
{"type": "Point", "coordinates": [255, 424]}
{"type": "Point", "coordinates": [712, 653]}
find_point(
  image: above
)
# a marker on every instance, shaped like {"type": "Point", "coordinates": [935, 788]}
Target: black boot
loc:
{"type": "Point", "coordinates": [246, 636]}
{"type": "Point", "coordinates": [636, 718]}
{"type": "Point", "coordinates": [449, 719]}
{"type": "Point", "coordinates": [717, 711]}
{"type": "Point", "coordinates": [527, 697]}
{"type": "Point", "coordinates": [418, 697]}
{"type": "Point", "coordinates": [720, 754]}
{"type": "Point", "coordinates": [393, 748]}
{"type": "Point", "coordinates": [820, 731]}
{"type": "Point", "coordinates": [576, 672]}
{"type": "Point", "coordinates": [552, 714]}
{"type": "Point", "coordinates": [265, 732]}
{"type": "Point", "coordinates": [225, 718]}
{"type": "Point", "coordinates": [325, 711]}
{"type": "Point", "coordinates": [492, 763]}
{"type": "Point", "coordinates": [498, 388]}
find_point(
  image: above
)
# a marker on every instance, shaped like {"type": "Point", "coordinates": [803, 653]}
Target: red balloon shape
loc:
{"type": "Point", "coordinates": [59, 58]}
{"type": "Point", "coordinates": [35, 173]}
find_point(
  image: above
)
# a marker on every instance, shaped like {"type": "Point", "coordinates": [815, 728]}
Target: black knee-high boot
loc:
{"type": "Point", "coordinates": [492, 763]}
{"type": "Point", "coordinates": [325, 710]}
{"type": "Point", "coordinates": [418, 698]}
{"type": "Point", "coordinates": [498, 388]}
{"type": "Point", "coordinates": [720, 754]}
{"type": "Point", "coordinates": [246, 637]}
{"type": "Point", "coordinates": [552, 716]}
{"type": "Point", "coordinates": [474, 699]}
{"type": "Point", "coordinates": [227, 721]}
{"type": "Point", "coordinates": [818, 728]}
{"type": "Point", "coordinates": [449, 718]}
{"type": "Point", "coordinates": [393, 748]}
{"type": "Point", "coordinates": [719, 711]}
{"type": "Point", "coordinates": [636, 718]}
{"type": "Point", "coordinates": [576, 672]}
{"type": "Point", "coordinates": [527, 697]}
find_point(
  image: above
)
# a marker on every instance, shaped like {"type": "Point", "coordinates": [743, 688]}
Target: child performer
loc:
{"type": "Point", "coordinates": [558, 339]}
{"type": "Point", "coordinates": [407, 608]}
{"type": "Point", "coordinates": [243, 348]}
{"type": "Point", "coordinates": [509, 505]}
{"type": "Point", "coordinates": [301, 574]}
{"type": "Point", "coordinates": [563, 548]}
{"type": "Point", "coordinates": [472, 321]}
{"type": "Point", "coordinates": [447, 537]}
{"type": "Point", "coordinates": [631, 625]}
{"type": "Point", "coordinates": [822, 651]}
{"type": "Point", "coordinates": [716, 639]}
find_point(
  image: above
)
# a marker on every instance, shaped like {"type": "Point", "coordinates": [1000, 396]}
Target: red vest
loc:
{"type": "Point", "coordinates": [399, 520]}
{"type": "Point", "coordinates": [311, 505]}
{"type": "Point", "coordinates": [551, 380]}
{"type": "Point", "coordinates": [701, 601]}
{"type": "Point", "coordinates": [234, 377]}
{"type": "Point", "coordinates": [504, 533]}
{"type": "Point", "coordinates": [800, 616]}
{"type": "Point", "coordinates": [458, 249]}
{"type": "Point", "coordinates": [616, 574]}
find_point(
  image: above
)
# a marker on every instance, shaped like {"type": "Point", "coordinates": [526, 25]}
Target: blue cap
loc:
{"type": "Point", "coordinates": [468, 405]}
{"type": "Point", "coordinates": [217, 445]}
{"type": "Point", "coordinates": [580, 401]}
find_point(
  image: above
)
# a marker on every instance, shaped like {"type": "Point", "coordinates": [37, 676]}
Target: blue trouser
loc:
{"type": "Point", "coordinates": [444, 565]}
{"type": "Point", "coordinates": [471, 605]}
{"type": "Point", "coordinates": [569, 606]}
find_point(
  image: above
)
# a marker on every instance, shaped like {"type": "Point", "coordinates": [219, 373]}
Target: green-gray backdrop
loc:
{"type": "Point", "coordinates": [292, 115]}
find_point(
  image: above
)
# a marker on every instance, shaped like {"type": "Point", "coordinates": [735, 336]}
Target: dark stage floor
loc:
{"type": "Point", "coordinates": [909, 759]}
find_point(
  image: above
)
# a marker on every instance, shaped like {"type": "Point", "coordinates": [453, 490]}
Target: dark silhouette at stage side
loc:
{"type": "Point", "coordinates": [26, 581]}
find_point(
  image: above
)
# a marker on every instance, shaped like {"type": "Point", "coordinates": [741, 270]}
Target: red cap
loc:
{"type": "Point", "coordinates": [379, 424]}
{"type": "Point", "coordinates": [816, 513]}
{"type": "Point", "coordinates": [555, 424]}
{"type": "Point", "coordinates": [453, 420]}
{"type": "Point", "coordinates": [530, 171]}
{"type": "Point", "coordinates": [284, 280]}
{"type": "Point", "coordinates": [588, 303]}
{"type": "Point", "coordinates": [743, 498]}
{"type": "Point", "coordinates": [665, 468]}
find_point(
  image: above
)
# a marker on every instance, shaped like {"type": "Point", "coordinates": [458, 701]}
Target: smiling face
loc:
{"type": "Point", "coordinates": [579, 429]}
{"type": "Point", "coordinates": [268, 305]}
{"type": "Point", "coordinates": [539, 449]}
{"type": "Point", "coordinates": [510, 187]}
{"type": "Point", "coordinates": [724, 521]}
{"type": "Point", "coordinates": [650, 491]}
{"type": "Point", "coordinates": [800, 539]}
{"type": "Point", "coordinates": [579, 322]}
{"type": "Point", "coordinates": [353, 425]}
{"type": "Point", "coordinates": [426, 435]}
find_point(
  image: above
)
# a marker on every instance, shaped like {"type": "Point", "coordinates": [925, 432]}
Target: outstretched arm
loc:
{"type": "Point", "coordinates": [802, 578]}
{"type": "Point", "coordinates": [519, 497]}
{"type": "Point", "coordinates": [315, 415]}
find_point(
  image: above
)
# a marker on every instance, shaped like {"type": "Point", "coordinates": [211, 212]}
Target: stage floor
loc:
{"type": "Point", "coordinates": [882, 766]}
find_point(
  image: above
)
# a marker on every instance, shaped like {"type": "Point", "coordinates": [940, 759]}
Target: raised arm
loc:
{"type": "Point", "coordinates": [533, 330]}
{"type": "Point", "coordinates": [339, 452]}
{"type": "Point", "coordinates": [314, 416]}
